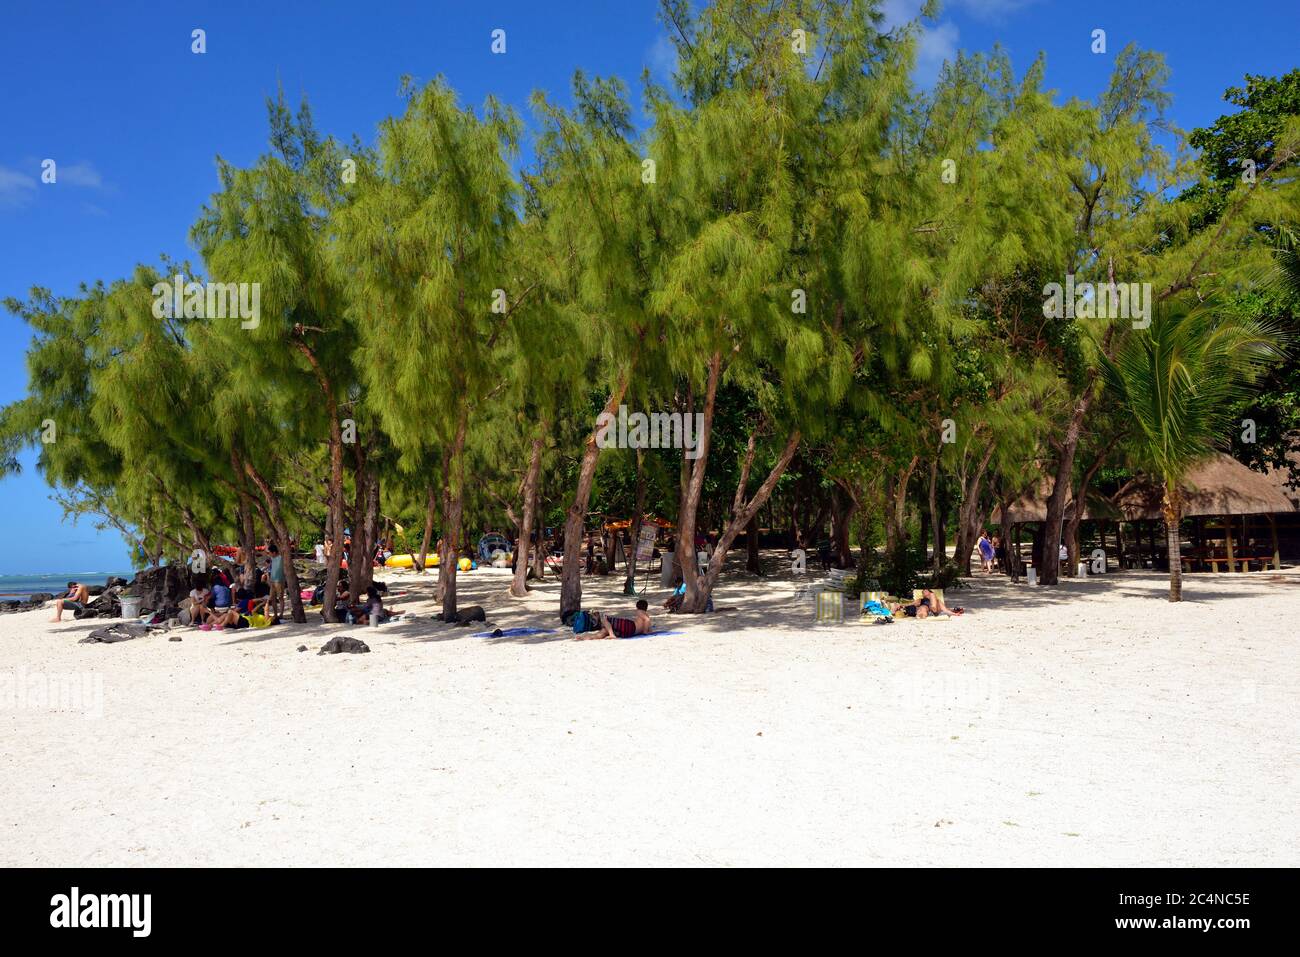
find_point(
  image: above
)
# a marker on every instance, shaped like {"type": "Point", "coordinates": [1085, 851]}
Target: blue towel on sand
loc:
{"type": "Point", "coordinates": [514, 632]}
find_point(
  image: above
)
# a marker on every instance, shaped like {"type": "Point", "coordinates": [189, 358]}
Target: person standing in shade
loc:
{"type": "Point", "coordinates": [986, 553]}
{"type": "Point", "coordinates": [276, 604]}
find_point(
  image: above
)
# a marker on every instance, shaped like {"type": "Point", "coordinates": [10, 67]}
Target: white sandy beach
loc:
{"type": "Point", "coordinates": [1094, 724]}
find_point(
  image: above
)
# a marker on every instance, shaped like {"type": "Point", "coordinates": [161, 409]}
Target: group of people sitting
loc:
{"type": "Point", "coordinates": [216, 603]}
{"type": "Point", "coordinates": [366, 609]}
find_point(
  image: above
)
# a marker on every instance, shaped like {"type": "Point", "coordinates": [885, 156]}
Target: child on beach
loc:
{"type": "Point", "coordinates": [276, 604]}
{"type": "Point", "coordinates": [374, 606]}
{"type": "Point", "coordinates": [194, 609]}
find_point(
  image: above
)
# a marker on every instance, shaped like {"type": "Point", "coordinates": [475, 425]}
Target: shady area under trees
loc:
{"type": "Point", "coordinates": [838, 275]}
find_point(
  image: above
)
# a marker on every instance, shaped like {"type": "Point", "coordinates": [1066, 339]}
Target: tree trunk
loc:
{"type": "Point", "coordinates": [539, 556]}
{"type": "Point", "coordinates": [896, 505]}
{"type": "Point", "coordinates": [843, 509]}
{"type": "Point", "coordinates": [969, 518]}
{"type": "Point", "coordinates": [753, 562]}
{"type": "Point", "coordinates": [455, 510]}
{"type": "Point", "coordinates": [200, 537]}
{"type": "Point", "coordinates": [446, 533]}
{"type": "Point", "coordinates": [1173, 508]}
{"type": "Point", "coordinates": [430, 509]}
{"type": "Point", "coordinates": [691, 502]}
{"type": "Point", "coordinates": [247, 537]}
{"type": "Point", "coordinates": [371, 526]}
{"type": "Point", "coordinates": [1049, 569]}
{"type": "Point", "coordinates": [335, 493]}
{"type": "Point", "coordinates": [1080, 497]}
{"type": "Point", "coordinates": [634, 529]}
{"type": "Point", "coordinates": [356, 554]}
{"type": "Point", "coordinates": [1010, 547]}
{"type": "Point", "coordinates": [574, 521]}
{"type": "Point", "coordinates": [280, 530]}
{"type": "Point", "coordinates": [519, 586]}
{"type": "Point", "coordinates": [936, 520]}
{"type": "Point", "coordinates": [742, 513]}
{"type": "Point", "coordinates": [247, 529]}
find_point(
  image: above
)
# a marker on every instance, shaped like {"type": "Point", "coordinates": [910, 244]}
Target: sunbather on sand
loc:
{"type": "Point", "coordinates": [221, 620]}
{"type": "Point", "coordinates": [612, 627]}
{"type": "Point", "coordinates": [928, 604]}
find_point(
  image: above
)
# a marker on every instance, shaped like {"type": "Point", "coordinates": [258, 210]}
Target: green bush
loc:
{"type": "Point", "coordinates": [896, 571]}
{"type": "Point", "coordinates": [900, 571]}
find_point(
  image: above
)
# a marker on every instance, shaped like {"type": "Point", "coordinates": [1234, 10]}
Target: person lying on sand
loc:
{"type": "Point", "coordinates": [230, 618]}
{"type": "Point", "coordinates": [928, 604]}
{"type": "Point", "coordinates": [76, 599]}
{"type": "Point", "coordinates": [613, 627]}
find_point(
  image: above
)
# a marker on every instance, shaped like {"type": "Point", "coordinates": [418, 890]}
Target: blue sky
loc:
{"type": "Point", "coordinates": [113, 93]}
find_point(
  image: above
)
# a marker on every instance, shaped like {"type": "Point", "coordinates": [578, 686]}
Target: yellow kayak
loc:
{"type": "Point", "coordinates": [408, 561]}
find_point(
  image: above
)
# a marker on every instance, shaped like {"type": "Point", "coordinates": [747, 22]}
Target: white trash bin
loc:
{"type": "Point", "coordinates": [666, 570]}
{"type": "Point", "coordinates": [130, 606]}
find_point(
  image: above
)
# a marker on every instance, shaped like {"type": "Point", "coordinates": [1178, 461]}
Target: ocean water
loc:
{"type": "Point", "coordinates": [14, 586]}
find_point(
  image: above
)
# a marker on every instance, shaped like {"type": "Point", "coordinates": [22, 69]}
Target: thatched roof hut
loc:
{"type": "Point", "coordinates": [1281, 479]}
{"type": "Point", "coordinates": [1219, 486]}
{"type": "Point", "coordinates": [1032, 507]}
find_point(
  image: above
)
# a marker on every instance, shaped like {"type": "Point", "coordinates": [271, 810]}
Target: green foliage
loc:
{"type": "Point", "coordinates": [1179, 381]}
{"type": "Point", "coordinates": [456, 308]}
{"type": "Point", "coordinates": [898, 570]}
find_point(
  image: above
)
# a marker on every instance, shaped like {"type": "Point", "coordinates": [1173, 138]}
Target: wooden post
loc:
{"type": "Point", "coordinates": [1227, 531]}
{"type": "Point", "coordinates": [1245, 544]}
{"type": "Point", "coordinates": [1277, 554]}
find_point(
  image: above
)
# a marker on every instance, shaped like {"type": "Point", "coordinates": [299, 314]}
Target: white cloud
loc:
{"type": "Point", "coordinates": [16, 189]}
{"type": "Point", "coordinates": [661, 58]}
{"type": "Point", "coordinates": [937, 44]}
{"type": "Point", "coordinates": [80, 174]}
{"type": "Point", "coordinates": [898, 12]}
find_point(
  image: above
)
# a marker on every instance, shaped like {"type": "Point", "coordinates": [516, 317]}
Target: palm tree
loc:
{"type": "Point", "coordinates": [1178, 380]}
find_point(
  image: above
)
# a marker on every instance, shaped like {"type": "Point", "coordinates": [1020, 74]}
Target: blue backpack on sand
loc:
{"type": "Point", "coordinates": [585, 621]}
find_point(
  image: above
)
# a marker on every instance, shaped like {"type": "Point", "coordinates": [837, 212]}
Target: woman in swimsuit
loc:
{"type": "Point", "coordinates": [928, 604]}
